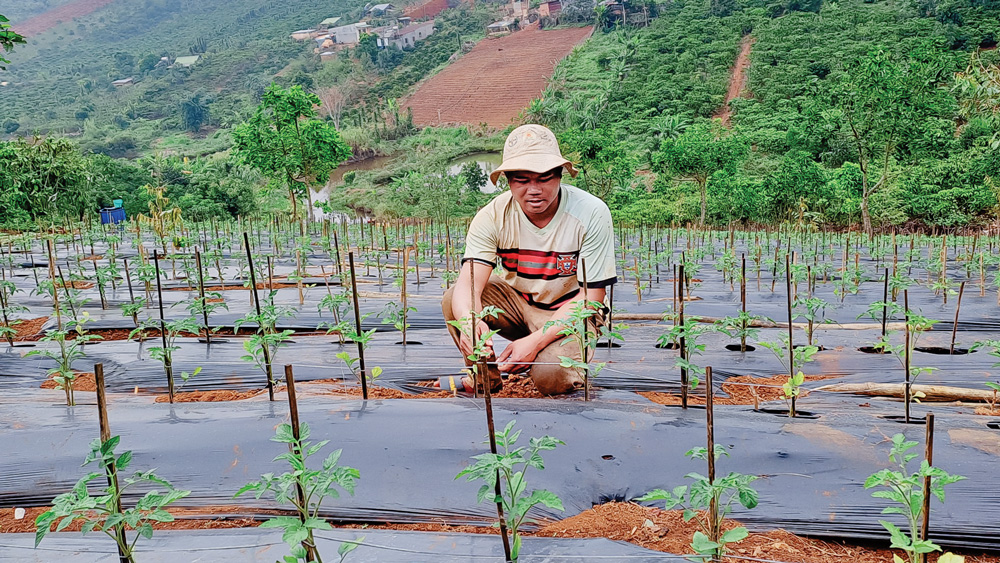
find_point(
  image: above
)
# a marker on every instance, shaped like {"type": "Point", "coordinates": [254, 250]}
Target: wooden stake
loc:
{"type": "Point", "coordinates": [109, 468]}
{"type": "Point", "coordinates": [791, 343]}
{"type": "Point", "coordinates": [683, 342]}
{"type": "Point", "coordinates": [357, 325]}
{"type": "Point", "coordinates": [929, 456]}
{"type": "Point", "coordinates": [713, 506]}
{"type": "Point", "coordinates": [256, 302]}
{"type": "Point", "coordinates": [954, 327]}
{"type": "Point", "coordinates": [300, 495]}
{"type": "Point", "coordinates": [201, 293]}
{"type": "Point", "coordinates": [167, 364]}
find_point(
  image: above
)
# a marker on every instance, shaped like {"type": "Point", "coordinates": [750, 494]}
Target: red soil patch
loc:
{"type": "Point", "coordinates": [514, 387]}
{"type": "Point", "coordinates": [666, 531]}
{"type": "Point", "coordinates": [217, 395]}
{"type": "Point", "coordinates": [741, 390]}
{"type": "Point", "coordinates": [48, 20]}
{"type": "Point", "coordinates": [85, 381]}
{"type": "Point", "coordinates": [27, 328]}
{"type": "Point", "coordinates": [214, 517]}
{"type": "Point", "coordinates": [496, 80]}
{"type": "Point", "coordinates": [737, 80]}
{"type": "Point", "coordinates": [427, 9]}
{"type": "Point", "coordinates": [76, 284]}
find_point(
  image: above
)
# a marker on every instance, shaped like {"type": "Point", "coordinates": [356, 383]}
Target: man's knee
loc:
{"type": "Point", "coordinates": [446, 306]}
{"type": "Point", "coordinates": [555, 379]}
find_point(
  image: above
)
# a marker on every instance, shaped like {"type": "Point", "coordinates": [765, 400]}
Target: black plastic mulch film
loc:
{"type": "Point", "coordinates": [617, 448]}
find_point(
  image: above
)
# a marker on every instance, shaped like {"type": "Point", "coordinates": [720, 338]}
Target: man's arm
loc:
{"type": "Point", "coordinates": [462, 300]}
{"type": "Point", "coordinates": [518, 356]}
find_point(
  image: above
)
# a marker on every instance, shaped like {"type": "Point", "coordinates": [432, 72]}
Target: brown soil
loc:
{"type": "Point", "coordinates": [27, 328]}
{"type": "Point", "coordinates": [987, 411]}
{"type": "Point", "coordinates": [740, 389]}
{"type": "Point", "coordinates": [43, 22]}
{"type": "Point", "coordinates": [515, 387]}
{"type": "Point", "coordinates": [737, 80]}
{"type": "Point", "coordinates": [215, 517]}
{"type": "Point", "coordinates": [666, 531]}
{"type": "Point", "coordinates": [213, 396]}
{"type": "Point", "coordinates": [85, 381]}
{"type": "Point", "coordinates": [92, 258]}
{"type": "Point", "coordinates": [374, 391]}
{"type": "Point", "coordinates": [76, 284]}
{"type": "Point", "coordinates": [477, 88]}
{"type": "Point", "coordinates": [650, 528]}
{"type": "Point", "coordinates": [427, 9]}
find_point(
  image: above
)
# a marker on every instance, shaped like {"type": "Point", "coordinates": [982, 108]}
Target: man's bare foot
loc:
{"type": "Point", "coordinates": [453, 381]}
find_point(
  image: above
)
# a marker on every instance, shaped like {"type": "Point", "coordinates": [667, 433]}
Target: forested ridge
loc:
{"type": "Point", "coordinates": [870, 115]}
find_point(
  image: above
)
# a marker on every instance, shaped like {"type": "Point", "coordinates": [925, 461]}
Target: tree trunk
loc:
{"type": "Point", "coordinates": [865, 216]}
{"type": "Point", "coordinates": [930, 393]}
{"type": "Point", "coordinates": [703, 186]}
{"type": "Point", "coordinates": [309, 200]}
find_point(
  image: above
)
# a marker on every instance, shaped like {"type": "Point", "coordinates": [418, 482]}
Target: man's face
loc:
{"type": "Point", "coordinates": [536, 193]}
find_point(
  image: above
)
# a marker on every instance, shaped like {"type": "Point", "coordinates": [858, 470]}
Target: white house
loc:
{"type": "Point", "coordinates": [406, 37]}
{"type": "Point", "coordinates": [349, 34]}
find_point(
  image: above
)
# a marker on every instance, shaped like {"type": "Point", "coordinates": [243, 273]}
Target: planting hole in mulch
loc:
{"type": "Point", "coordinates": [84, 381]}
{"type": "Point", "coordinates": [987, 411]}
{"type": "Point", "coordinates": [819, 348]}
{"type": "Point", "coordinates": [941, 351]}
{"type": "Point", "coordinates": [736, 348]}
{"type": "Point", "coordinates": [408, 343]}
{"type": "Point", "coordinates": [902, 419]}
{"type": "Point", "coordinates": [873, 350]}
{"type": "Point", "coordinates": [606, 344]}
{"type": "Point", "coordinates": [214, 341]}
{"type": "Point", "coordinates": [741, 390]}
{"type": "Point", "coordinates": [668, 346]}
{"type": "Point", "coordinates": [808, 415]}
{"type": "Point", "coordinates": [994, 425]}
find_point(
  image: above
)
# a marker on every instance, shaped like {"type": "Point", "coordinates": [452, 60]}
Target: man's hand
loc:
{"type": "Point", "coordinates": [465, 343]}
{"type": "Point", "coordinates": [518, 355]}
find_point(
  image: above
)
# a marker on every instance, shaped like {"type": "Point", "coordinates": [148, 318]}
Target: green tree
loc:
{"type": "Point", "coordinates": [699, 152]}
{"type": "Point", "coordinates": [606, 163]}
{"type": "Point", "coordinates": [7, 40]}
{"type": "Point", "coordinates": [194, 113]}
{"type": "Point", "coordinates": [286, 141]}
{"type": "Point", "coordinates": [881, 100]}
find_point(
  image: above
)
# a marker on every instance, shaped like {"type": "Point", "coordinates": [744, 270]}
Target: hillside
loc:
{"type": "Point", "coordinates": [495, 81]}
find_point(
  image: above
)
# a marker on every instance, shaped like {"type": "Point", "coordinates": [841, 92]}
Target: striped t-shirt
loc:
{"type": "Point", "coordinates": [541, 264]}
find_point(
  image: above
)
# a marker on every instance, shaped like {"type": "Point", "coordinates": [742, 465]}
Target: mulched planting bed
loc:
{"type": "Point", "coordinates": [28, 329]}
{"type": "Point", "coordinates": [85, 381]}
{"type": "Point", "coordinates": [210, 396]}
{"type": "Point", "coordinates": [740, 389]}
{"type": "Point", "coordinates": [665, 530]}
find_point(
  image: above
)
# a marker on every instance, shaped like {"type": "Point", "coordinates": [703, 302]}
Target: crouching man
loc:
{"type": "Point", "coordinates": [538, 233]}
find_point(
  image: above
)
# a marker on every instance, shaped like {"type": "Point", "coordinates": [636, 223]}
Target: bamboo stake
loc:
{"type": "Point", "coordinates": [906, 355]}
{"type": "Point", "coordinates": [954, 327]}
{"type": "Point", "coordinates": [713, 506]}
{"type": "Point", "coordinates": [201, 293]}
{"type": "Point", "coordinates": [683, 343]}
{"type": "Point", "coordinates": [791, 344]}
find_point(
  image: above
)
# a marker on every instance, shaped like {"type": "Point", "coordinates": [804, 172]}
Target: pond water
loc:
{"type": "Point", "coordinates": [487, 162]}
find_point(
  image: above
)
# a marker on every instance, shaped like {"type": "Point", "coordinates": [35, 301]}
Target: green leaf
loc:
{"type": "Point", "coordinates": [734, 535]}
{"type": "Point", "coordinates": [701, 544]}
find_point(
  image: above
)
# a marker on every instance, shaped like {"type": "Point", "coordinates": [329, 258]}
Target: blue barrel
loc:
{"type": "Point", "coordinates": [112, 215]}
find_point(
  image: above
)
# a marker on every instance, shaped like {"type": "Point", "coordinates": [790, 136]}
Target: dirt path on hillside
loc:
{"type": "Point", "coordinates": [63, 14]}
{"type": "Point", "coordinates": [737, 79]}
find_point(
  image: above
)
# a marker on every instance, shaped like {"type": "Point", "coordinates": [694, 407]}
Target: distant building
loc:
{"type": "Point", "coordinates": [349, 34]}
{"type": "Point", "coordinates": [329, 22]}
{"type": "Point", "coordinates": [550, 8]}
{"type": "Point", "coordinates": [123, 82]}
{"type": "Point", "coordinates": [497, 29]}
{"type": "Point", "coordinates": [406, 37]}
{"type": "Point", "coordinates": [304, 34]}
{"type": "Point", "coordinates": [380, 10]}
{"type": "Point", "coordinates": [187, 61]}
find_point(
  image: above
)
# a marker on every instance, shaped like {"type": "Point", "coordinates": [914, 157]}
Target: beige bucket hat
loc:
{"type": "Point", "coordinates": [533, 148]}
